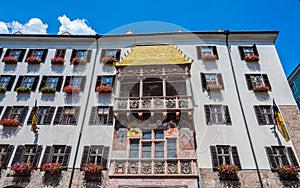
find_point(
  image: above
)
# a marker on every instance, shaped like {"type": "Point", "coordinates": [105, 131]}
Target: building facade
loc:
{"type": "Point", "coordinates": [145, 110]}
{"type": "Point", "coordinates": [294, 81]}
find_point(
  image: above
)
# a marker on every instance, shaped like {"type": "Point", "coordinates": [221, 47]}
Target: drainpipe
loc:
{"type": "Point", "coordinates": [84, 112]}
{"type": "Point", "coordinates": [227, 32]}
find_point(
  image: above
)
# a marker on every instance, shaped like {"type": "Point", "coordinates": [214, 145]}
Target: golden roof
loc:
{"type": "Point", "coordinates": [153, 55]}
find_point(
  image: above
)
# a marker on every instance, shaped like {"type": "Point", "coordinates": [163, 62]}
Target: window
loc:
{"type": "Point", "coordinates": [52, 82]}
{"type": "Point", "coordinates": [110, 53]}
{"type": "Point", "coordinates": [16, 112]}
{"type": "Point", "coordinates": [134, 148]}
{"type": "Point", "coordinates": [105, 80]}
{"type": "Point", "coordinates": [210, 80]}
{"type": "Point", "coordinates": [7, 81]}
{"type": "Point", "coordinates": [257, 80]}
{"type": "Point", "coordinates": [172, 151]}
{"type": "Point", "coordinates": [5, 153]}
{"type": "Point", "coordinates": [203, 51]}
{"type": "Point", "coordinates": [16, 53]}
{"type": "Point", "coordinates": [27, 81]}
{"type": "Point", "coordinates": [78, 81]}
{"type": "Point", "coordinates": [28, 153]}
{"type": "Point", "coordinates": [217, 114]}
{"type": "Point", "coordinates": [146, 149]}
{"type": "Point", "coordinates": [57, 154]}
{"type": "Point", "coordinates": [101, 115]}
{"type": "Point", "coordinates": [224, 154]}
{"type": "Point", "coordinates": [264, 115]}
{"type": "Point", "coordinates": [67, 115]}
{"type": "Point", "coordinates": [82, 54]}
{"type": "Point", "coordinates": [152, 87]}
{"type": "Point", "coordinates": [293, 87]}
{"type": "Point", "coordinates": [247, 51]}
{"type": "Point", "coordinates": [44, 115]}
{"type": "Point", "coordinates": [38, 53]}
{"type": "Point", "coordinates": [130, 88]}
{"type": "Point", "coordinates": [280, 155]}
{"type": "Point", "coordinates": [60, 53]}
{"type": "Point", "coordinates": [152, 145]}
{"type": "Point", "coordinates": [298, 102]}
{"type": "Point", "coordinates": [176, 86]}
{"type": "Point", "coordinates": [97, 154]}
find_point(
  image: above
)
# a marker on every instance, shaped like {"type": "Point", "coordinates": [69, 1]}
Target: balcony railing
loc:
{"type": "Point", "coordinates": [153, 167]}
{"type": "Point", "coordinates": [153, 103]}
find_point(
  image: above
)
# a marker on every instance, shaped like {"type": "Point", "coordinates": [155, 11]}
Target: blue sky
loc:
{"type": "Point", "coordinates": [94, 16]}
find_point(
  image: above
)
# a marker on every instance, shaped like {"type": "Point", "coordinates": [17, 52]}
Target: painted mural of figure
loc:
{"type": "Point", "coordinates": [121, 137]}
{"type": "Point", "coordinates": [186, 135]}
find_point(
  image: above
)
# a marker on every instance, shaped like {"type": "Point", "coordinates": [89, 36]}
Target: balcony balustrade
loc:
{"type": "Point", "coordinates": [153, 103]}
{"type": "Point", "coordinates": [155, 167]}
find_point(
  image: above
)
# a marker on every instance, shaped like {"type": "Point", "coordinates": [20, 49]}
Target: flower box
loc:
{"type": "Point", "coordinates": [214, 87]}
{"type": "Point", "coordinates": [288, 172]}
{"type": "Point", "coordinates": [78, 60]}
{"type": "Point", "coordinates": [261, 89]}
{"type": "Point", "coordinates": [209, 57]}
{"type": "Point", "coordinates": [57, 61]}
{"type": "Point", "coordinates": [8, 122]}
{"type": "Point", "coordinates": [10, 60]}
{"type": "Point", "coordinates": [22, 169]}
{"type": "Point", "coordinates": [71, 89]}
{"type": "Point", "coordinates": [91, 168]}
{"type": "Point", "coordinates": [23, 89]}
{"type": "Point", "coordinates": [251, 58]}
{"type": "Point", "coordinates": [2, 89]}
{"type": "Point", "coordinates": [228, 171]}
{"type": "Point", "coordinates": [104, 89]}
{"type": "Point", "coordinates": [52, 168]}
{"type": "Point", "coordinates": [109, 60]}
{"type": "Point", "coordinates": [33, 60]}
{"type": "Point", "coordinates": [48, 90]}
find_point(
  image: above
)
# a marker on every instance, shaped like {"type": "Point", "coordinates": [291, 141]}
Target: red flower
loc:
{"type": "Point", "coordinates": [57, 60]}
{"type": "Point", "coordinates": [251, 58]}
{"type": "Point", "coordinates": [10, 122]}
{"type": "Point", "coordinates": [52, 167]}
{"type": "Point", "coordinates": [104, 89]}
{"type": "Point", "coordinates": [33, 60]}
{"type": "Point", "coordinates": [109, 60]}
{"type": "Point", "coordinates": [21, 168]}
{"type": "Point", "coordinates": [92, 168]}
{"type": "Point", "coordinates": [71, 89]}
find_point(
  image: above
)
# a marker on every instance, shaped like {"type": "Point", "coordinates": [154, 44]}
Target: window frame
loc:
{"type": "Point", "coordinates": [225, 114]}
{"type": "Point", "coordinates": [97, 118]}
{"type": "Point", "coordinates": [104, 54]}
{"type": "Point", "coordinates": [233, 156]}
{"type": "Point", "coordinates": [7, 84]}
{"type": "Point", "coordinates": [264, 79]}
{"type": "Point", "coordinates": [293, 87]}
{"type": "Point", "coordinates": [261, 114]}
{"type": "Point", "coordinates": [288, 154]}
{"type": "Point", "coordinates": [10, 51]}
{"type": "Point", "coordinates": [218, 80]}
{"type": "Point", "coordinates": [41, 57]}
{"type": "Point", "coordinates": [213, 51]}
{"type": "Point", "coordinates": [67, 115]}
{"type": "Point", "coordinates": [242, 52]}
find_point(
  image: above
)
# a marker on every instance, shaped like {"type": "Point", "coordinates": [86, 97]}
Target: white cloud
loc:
{"type": "Point", "coordinates": [33, 26]}
{"type": "Point", "coordinates": [3, 28]}
{"type": "Point", "coordinates": [75, 27]}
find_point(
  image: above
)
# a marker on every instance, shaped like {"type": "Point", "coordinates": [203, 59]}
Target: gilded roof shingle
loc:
{"type": "Point", "coordinates": [153, 55]}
